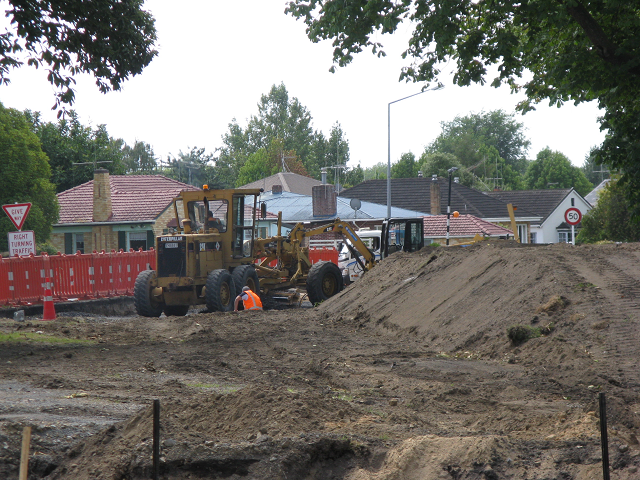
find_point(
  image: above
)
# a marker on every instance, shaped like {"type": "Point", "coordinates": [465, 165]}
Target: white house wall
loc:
{"type": "Point", "coordinates": [547, 231]}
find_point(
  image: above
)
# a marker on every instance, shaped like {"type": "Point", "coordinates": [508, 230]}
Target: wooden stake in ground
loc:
{"type": "Point", "coordinates": [24, 458]}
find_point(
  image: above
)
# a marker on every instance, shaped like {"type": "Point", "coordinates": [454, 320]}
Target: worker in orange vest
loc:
{"type": "Point", "coordinates": [250, 300]}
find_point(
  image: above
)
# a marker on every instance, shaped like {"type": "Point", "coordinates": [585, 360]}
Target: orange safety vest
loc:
{"type": "Point", "coordinates": [252, 302]}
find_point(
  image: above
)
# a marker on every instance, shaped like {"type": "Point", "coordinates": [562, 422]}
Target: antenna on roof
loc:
{"type": "Point", "coordinates": [94, 163]}
{"type": "Point", "coordinates": [285, 168]}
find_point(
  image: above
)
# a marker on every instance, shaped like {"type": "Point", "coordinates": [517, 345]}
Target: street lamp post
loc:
{"type": "Point", "coordinates": [451, 170]}
{"type": "Point", "coordinates": [437, 87]}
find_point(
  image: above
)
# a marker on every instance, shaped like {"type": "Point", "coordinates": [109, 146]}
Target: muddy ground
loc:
{"type": "Point", "coordinates": [414, 372]}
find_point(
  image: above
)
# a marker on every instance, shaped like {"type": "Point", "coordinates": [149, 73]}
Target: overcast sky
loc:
{"type": "Point", "coordinates": [217, 58]}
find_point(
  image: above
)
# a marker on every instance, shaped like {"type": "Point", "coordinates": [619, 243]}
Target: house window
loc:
{"type": "Point", "coordinates": [573, 202]}
{"type": "Point", "coordinates": [522, 233]}
{"type": "Point", "coordinates": [564, 236]}
{"type": "Point", "coordinates": [533, 237]}
{"type": "Point", "coordinates": [78, 242]}
{"type": "Point", "coordinates": [262, 232]}
{"type": "Point", "coordinates": [138, 240]}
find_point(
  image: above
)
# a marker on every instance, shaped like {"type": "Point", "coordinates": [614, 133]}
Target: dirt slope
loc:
{"type": "Point", "coordinates": [407, 374]}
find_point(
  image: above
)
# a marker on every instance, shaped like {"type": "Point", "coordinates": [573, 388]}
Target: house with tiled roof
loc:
{"type": "Point", "coordinates": [285, 182]}
{"type": "Point", "coordinates": [550, 206]}
{"type": "Point", "coordinates": [113, 212]}
{"type": "Point", "coordinates": [431, 195]}
{"type": "Point", "coordinates": [462, 229]}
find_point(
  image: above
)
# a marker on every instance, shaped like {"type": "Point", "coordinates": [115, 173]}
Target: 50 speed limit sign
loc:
{"type": "Point", "coordinates": [573, 216]}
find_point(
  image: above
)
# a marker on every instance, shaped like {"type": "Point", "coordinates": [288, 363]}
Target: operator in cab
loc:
{"type": "Point", "coordinates": [250, 300]}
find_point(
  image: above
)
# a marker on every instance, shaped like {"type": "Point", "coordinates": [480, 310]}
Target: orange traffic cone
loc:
{"type": "Point", "coordinates": [48, 310]}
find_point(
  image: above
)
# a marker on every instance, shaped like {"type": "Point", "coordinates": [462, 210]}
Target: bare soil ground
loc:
{"type": "Point", "coordinates": [407, 374]}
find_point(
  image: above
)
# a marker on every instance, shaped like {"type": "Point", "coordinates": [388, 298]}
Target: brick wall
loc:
{"type": "Point", "coordinates": [164, 218]}
{"type": "Point", "coordinates": [57, 240]}
{"type": "Point", "coordinates": [101, 196]}
{"type": "Point", "coordinates": [324, 199]}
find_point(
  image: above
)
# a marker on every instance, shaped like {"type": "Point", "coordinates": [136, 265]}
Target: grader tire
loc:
{"type": "Point", "coordinates": [323, 282]}
{"type": "Point", "coordinates": [145, 305]}
{"type": "Point", "coordinates": [176, 310]}
{"type": "Point", "coordinates": [221, 291]}
{"type": "Point", "coordinates": [245, 275]}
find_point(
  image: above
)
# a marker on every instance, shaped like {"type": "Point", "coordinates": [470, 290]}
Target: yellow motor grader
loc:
{"type": "Point", "coordinates": [322, 280]}
{"type": "Point", "coordinates": [214, 252]}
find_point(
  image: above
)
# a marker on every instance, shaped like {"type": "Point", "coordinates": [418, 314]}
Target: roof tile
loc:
{"type": "Point", "coordinates": [415, 194]}
{"type": "Point", "coordinates": [462, 226]}
{"type": "Point", "coordinates": [133, 198]}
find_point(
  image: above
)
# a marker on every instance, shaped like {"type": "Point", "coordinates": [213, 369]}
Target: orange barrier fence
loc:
{"type": "Point", "coordinates": [79, 276]}
{"type": "Point", "coordinates": [323, 254]}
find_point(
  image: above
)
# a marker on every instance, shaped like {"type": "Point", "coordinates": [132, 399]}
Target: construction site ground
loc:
{"type": "Point", "coordinates": [420, 370]}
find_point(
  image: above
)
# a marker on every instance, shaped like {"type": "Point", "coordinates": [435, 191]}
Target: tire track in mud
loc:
{"type": "Point", "coordinates": [617, 276]}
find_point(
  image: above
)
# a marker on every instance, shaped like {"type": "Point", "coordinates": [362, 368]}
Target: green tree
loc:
{"type": "Point", "coordinates": [610, 219]}
{"type": "Point", "coordinates": [552, 169]}
{"type": "Point", "coordinates": [465, 137]}
{"type": "Point", "coordinates": [255, 168]}
{"type": "Point", "coordinates": [353, 176]}
{"type": "Point", "coordinates": [74, 150]}
{"type": "Point", "coordinates": [139, 159]}
{"type": "Point", "coordinates": [280, 121]}
{"type": "Point", "coordinates": [577, 50]}
{"type": "Point", "coordinates": [111, 40]}
{"type": "Point", "coordinates": [232, 155]}
{"type": "Point", "coordinates": [25, 177]}
{"type": "Point", "coordinates": [439, 163]}
{"type": "Point", "coordinates": [376, 172]}
{"type": "Point", "coordinates": [319, 153]}
{"type": "Point", "coordinates": [269, 161]}
{"type": "Point", "coordinates": [280, 117]}
{"type": "Point", "coordinates": [594, 171]}
{"type": "Point", "coordinates": [490, 145]}
{"type": "Point", "coordinates": [195, 167]}
{"type": "Point", "coordinates": [337, 152]}
{"type": "Point", "coordinates": [406, 167]}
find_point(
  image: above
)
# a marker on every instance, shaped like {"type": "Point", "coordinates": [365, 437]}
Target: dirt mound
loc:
{"type": "Point", "coordinates": [472, 363]}
{"type": "Point", "coordinates": [219, 435]}
{"type": "Point", "coordinates": [465, 300]}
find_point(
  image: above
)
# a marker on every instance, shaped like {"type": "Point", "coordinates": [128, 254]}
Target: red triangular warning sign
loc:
{"type": "Point", "coordinates": [17, 213]}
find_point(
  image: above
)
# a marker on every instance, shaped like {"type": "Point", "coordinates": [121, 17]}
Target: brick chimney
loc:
{"type": "Point", "coordinates": [325, 200]}
{"type": "Point", "coordinates": [101, 195]}
{"type": "Point", "coordinates": [435, 195]}
{"type": "Point", "coordinates": [276, 189]}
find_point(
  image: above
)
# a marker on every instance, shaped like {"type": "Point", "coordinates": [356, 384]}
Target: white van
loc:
{"type": "Point", "coordinates": [351, 269]}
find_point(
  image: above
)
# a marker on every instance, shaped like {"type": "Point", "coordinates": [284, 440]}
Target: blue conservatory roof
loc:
{"type": "Point", "coordinates": [299, 208]}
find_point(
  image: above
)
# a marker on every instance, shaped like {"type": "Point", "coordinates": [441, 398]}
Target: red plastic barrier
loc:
{"type": "Point", "coordinates": [73, 276]}
{"type": "Point", "coordinates": [323, 254]}
{"type": "Point", "coordinates": [28, 279]}
{"type": "Point", "coordinates": [80, 276]}
{"type": "Point", "coordinates": [102, 274]}
{"type": "Point", "coordinates": [137, 261]}
{"type": "Point", "coordinates": [6, 282]}
{"type": "Point", "coordinates": [119, 267]}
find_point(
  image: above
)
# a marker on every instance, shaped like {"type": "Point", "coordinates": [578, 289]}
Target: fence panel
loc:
{"type": "Point", "coordinates": [103, 285]}
{"type": "Point", "coordinates": [28, 279]}
{"type": "Point", "coordinates": [70, 277]}
{"type": "Point", "coordinates": [135, 262]}
{"type": "Point", "coordinates": [6, 282]}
